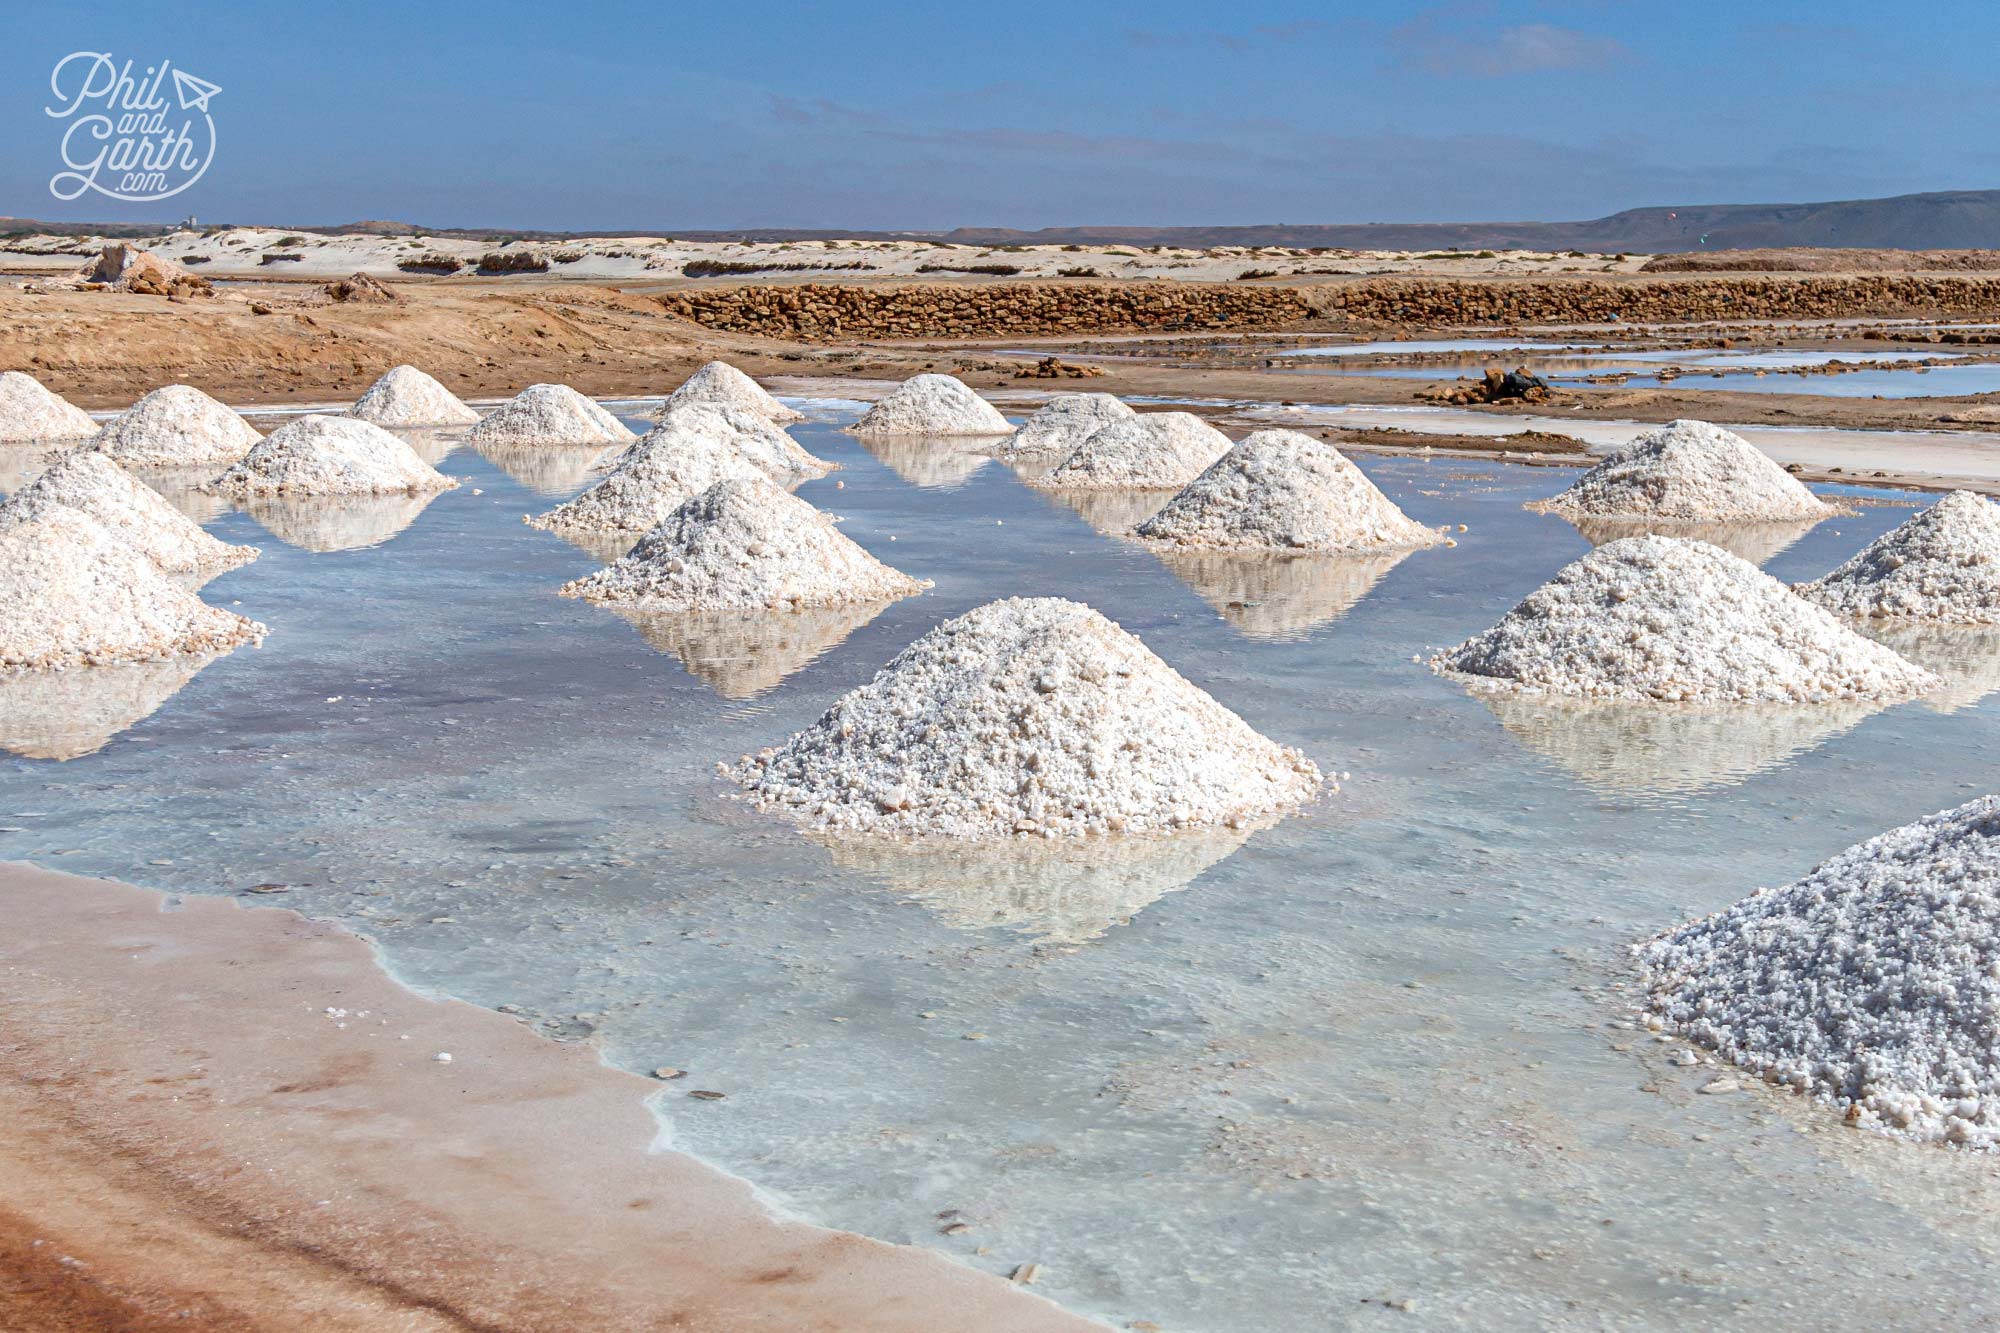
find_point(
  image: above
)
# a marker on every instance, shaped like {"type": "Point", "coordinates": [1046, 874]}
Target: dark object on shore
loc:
{"type": "Point", "coordinates": [361, 287]}
{"type": "Point", "coordinates": [518, 261]}
{"type": "Point", "coordinates": [995, 270]}
{"type": "Point", "coordinates": [1055, 368]}
{"type": "Point", "coordinates": [718, 268]}
{"type": "Point", "coordinates": [430, 262]}
{"type": "Point", "coordinates": [1514, 386]}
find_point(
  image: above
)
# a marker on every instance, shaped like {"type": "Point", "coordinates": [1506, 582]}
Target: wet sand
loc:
{"type": "Point", "coordinates": [199, 1136]}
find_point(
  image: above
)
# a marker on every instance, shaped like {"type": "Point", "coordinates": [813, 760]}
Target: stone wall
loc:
{"type": "Point", "coordinates": [825, 312]}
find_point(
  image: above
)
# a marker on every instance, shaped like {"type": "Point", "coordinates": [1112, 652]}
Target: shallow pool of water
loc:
{"type": "Point", "coordinates": [1370, 1054]}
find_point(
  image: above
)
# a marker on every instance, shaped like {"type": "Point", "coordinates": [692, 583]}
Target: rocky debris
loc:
{"type": "Point", "coordinates": [361, 288]}
{"type": "Point", "coordinates": [1942, 564]}
{"type": "Point", "coordinates": [72, 594]}
{"type": "Point", "coordinates": [129, 268]}
{"type": "Point", "coordinates": [129, 510]}
{"type": "Point", "coordinates": [1514, 386]}
{"type": "Point", "coordinates": [1280, 490]}
{"type": "Point", "coordinates": [1689, 471]}
{"type": "Point", "coordinates": [719, 384]}
{"type": "Point", "coordinates": [176, 426]}
{"type": "Point", "coordinates": [744, 543]}
{"type": "Point", "coordinates": [1151, 451]}
{"type": "Point", "coordinates": [932, 405]}
{"type": "Point", "coordinates": [1666, 620]}
{"type": "Point", "coordinates": [1029, 716]}
{"type": "Point", "coordinates": [550, 414]}
{"type": "Point", "coordinates": [406, 396]}
{"type": "Point", "coordinates": [647, 488]}
{"type": "Point", "coordinates": [1868, 984]}
{"type": "Point", "coordinates": [30, 412]}
{"type": "Point", "coordinates": [1061, 424]}
{"type": "Point", "coordinates": [513, 261]}
{"type": "Point", "coordinates": [1055, 368]}
{"type": "Point", "coordinates": [327, 455]}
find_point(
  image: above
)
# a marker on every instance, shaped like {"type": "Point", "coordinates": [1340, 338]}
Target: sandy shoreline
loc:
{"type": "Point", "coordinates": [215, 1117]}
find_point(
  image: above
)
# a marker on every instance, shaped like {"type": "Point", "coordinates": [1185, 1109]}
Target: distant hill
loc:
{"type": "Point", "coordinates": [1946, 220]}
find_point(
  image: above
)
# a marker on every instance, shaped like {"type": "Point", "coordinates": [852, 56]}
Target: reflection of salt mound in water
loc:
{"type": "Point", "coordinates": [1060, 892]}
{"type": "Point", "coordinates": [545, 469]}
{"type": "Point", "coordinates": [550, 414]}
{"type": "Point", "coordinates": [342, 523]}
{"type": "Point", "coordinates": [932, 404]}
{"type": "Point", "coordinates": [1113, 513]}
{"type": "Point", "coordinates": [1662, 749]}
{"type": "Point", "coordinates": [88, 481]}
{"type": "Point", "coordinates": [1689, 470]}
{"type": "Point", "coordinates": [1869, 984]}
{"type": "Point", "coordinates": [1755, 542]}
{"type": "Point", "coordinates": [1966, 656]}
{"type": "Point", "coordinates": [176, 426]}
{"type": "Point", "coordinates": [936, 463]}
{"type": "Point", "coordinates": [1268, 596]}
{"type": "Point", "coordinates": [405, 396]}
{"type": "Point", "coordinates": [719, 384]}
{"type": "Point", "coordinates": [68, 714]}
{"type": "Point", "coordinates": [181, 487]}
{"type": "Point", "coordinates": [741, 654]}
{"type": "Point", "coordinates": [1942, 564]}
{"type": "Point", "coordinates": [431, 445]}
{"type": "Point", "coordinates": [30, 410]}
{"type": "Point", "coordinates": [21, 464]}
{"type": "Point", "coordinates": [1061, 424]}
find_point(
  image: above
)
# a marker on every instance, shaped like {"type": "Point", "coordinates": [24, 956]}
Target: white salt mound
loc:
{"type": "Point", "coordinates": [744, 543]}
{"type": "Point", "coordinates": [1156, 451]}
{"type": "Point", "coordinates": [1873, 983]}
{"type": "Point", "coordinates": [719, 384]}
{"type": "Point", "coordinates": [765, 446]}
{"type": "Point", "coordinates": [1063, 423]}
{"type": "Point", "coordinates": [72, 594]}
{"type": "Point", "coordinates": [932, 405]}
{"type": "Point", "coordinates": [29, 410]}
{"type": "Point", "coordinates": [1943, 564]}
{"type": "Point", "coordinates": [652, 483]}
{"type": "Point", "coordinates": [325, 455]}
{"type": "Point", "coordinates": [1689, 470]}
{"type": "Point", "coordinates": [406, 396]}
{"type": "Point", "coordinates": [176, 426]}
{"type": "Point", "coordinates": [133, 512]}
{"type": "Point", "coordinates": [550, 414]}
{"type": "Point", "coordinates": [1671, 620]}
{"type": "Point", "coordinates": [1030, 715]}
{"type": "Point", "coordinates": [1279, 490]}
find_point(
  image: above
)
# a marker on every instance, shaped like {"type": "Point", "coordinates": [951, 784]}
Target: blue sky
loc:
{"type": "Point", "coordinates": [893, 115]}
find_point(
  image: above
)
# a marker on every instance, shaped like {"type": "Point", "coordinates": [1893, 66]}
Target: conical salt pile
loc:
{"type": "Point", "coordinates": [767, 447]}
{"type": "Point", "coordinates": [87, 481]}
{"type": "Point", "coordinates": [1061, 424]}
{"type": "Point", "coordinates": [406, 396]}
{"type": "Point", "coordinates": [1279, 490]}
{"type": "Point", "coordinates": [30, 411]}
{"type": "Point", "coordinates": [1943, 564]}
{"type": "Point", "coordinates": [176, 426]}
{"type": "Point", "coordinates": [322, 455]}
{"type": "Point", "coordinates": [550, 414]}
{"type": "Point", "coordinates": [72, 594]}
{"type": "Point", "coordinates": [719, 384]}
{"type": "Point", "coordinates": [744, 544]}
{"type": "Point", "coordinates": [1669, 620]}
{"type": "Point", "coordinates": [1689, 470]}
{"type": "Point", "coordinates": [1030, 715]}
{"type": "Point", "coordinates": [932, 405]}
{"type": "Point", "coordinates": [1870, 984]}
{"type": "Point", "coordinates": [1154, 451]}
{"type": "Point", "coordinates": [649, 486]}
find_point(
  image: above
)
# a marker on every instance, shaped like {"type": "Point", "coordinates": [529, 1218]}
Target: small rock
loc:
{"type": "Point", "coordinates": [1721, 1085]}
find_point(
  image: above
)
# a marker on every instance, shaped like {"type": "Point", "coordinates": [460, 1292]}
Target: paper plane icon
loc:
{"type": "Point", "coordinates": [194, 93]}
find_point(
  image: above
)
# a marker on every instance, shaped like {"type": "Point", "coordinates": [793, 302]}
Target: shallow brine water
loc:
{"type": "Point", "coordinates": [1373, 1053]}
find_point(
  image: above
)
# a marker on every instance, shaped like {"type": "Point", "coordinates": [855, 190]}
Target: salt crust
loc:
{"type": "Point", "coordinates": [744, 543]}
{"type": "Point", "coordinates": [549, 414]}
{"type": "Point", "coordinates": [1942, 564]}
{"type": "Point", "coordinates": [1671, 620]}
{"type": "Point", "coordinates": [1061, 424]}
{"type": "Point", "coordinates": [1154, 451]}
{"type": "Point", "coordinates": [1689, 470]}
{"type": "Point", "coordinates": [1280, 490]}
{"type": "Point", "coordinates": [326, 455]}
{"type": "Point", "coordinates": [176, 426]}
{"type": "Point", "coordinates": [75, 595]}
{"type": "Point", "coordinates": [30, 411]}
{"type": "Point", "coordinates": [405, 396]}
{"type": "Point", "coordinates": [650, 485]}
{"type": "Point", "coordinates": [719, 384]}
{"type": "Point", "coordinates": [932, 405]}
{"type": "Point", "coordinates": [1027, 716]}
{"type": "Point", "coordinates": [130, 510]}
{"type": "Point", "coordinates": [773, 452]}
{"type": "Point", "coordinates": [1873, 983]}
